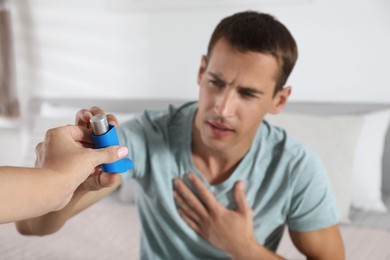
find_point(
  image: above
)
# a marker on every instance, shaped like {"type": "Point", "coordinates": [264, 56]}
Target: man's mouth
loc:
{"type": "Point", "coordinates": [220, 127]}
{"type": "Point", "coordinates": [220, 130]}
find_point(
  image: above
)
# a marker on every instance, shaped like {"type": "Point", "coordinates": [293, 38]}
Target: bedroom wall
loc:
{"type": "Point", "coordinates": [85, 49]}
{"type": "Point", "coordinates": [11, 147]}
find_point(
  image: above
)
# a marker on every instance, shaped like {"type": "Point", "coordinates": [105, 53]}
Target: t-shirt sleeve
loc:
{"type": "Point", "coordinates": [312, 201]}
{"type": "Point", "coordinates": [131, 135]}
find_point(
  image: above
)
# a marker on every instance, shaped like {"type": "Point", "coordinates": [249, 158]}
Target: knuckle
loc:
{"type": "Point", "coordinates": [112, 117]}
{"type": "Point", "coordinates": [206, 224]}
{"type": "Point", "coordinates": [96, 110]}
{"type": "Point", "coordinates": [80, 113]}
{"type": "Point", "coordinates": [215, 214]}
{"type": "Point", "coordinates": [52, 133]}
{"type": "Point", "coordinates": [91, 154]}
{"type": "Point", "coordinates": [112, 153]}
{"type": "Point", "coordinates": [38, 148]}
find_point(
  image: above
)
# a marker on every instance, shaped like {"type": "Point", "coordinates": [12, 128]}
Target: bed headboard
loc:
{"type": "Point", "coordinates": [314, 108]}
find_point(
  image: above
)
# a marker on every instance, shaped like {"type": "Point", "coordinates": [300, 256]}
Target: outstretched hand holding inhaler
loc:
{"type": "Point", "coordinates": [104, 135]}
{"type": "Point", "coordinates": [62, 164]}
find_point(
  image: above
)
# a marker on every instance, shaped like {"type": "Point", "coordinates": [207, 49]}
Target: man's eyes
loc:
{"type": "Point", "coordinates": [247, 94]}
{"type": "Point", "coordinates": [216, 83]}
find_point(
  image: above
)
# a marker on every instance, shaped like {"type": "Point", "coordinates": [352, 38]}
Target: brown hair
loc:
{"type": "Point", "coordinates": [259, 32]}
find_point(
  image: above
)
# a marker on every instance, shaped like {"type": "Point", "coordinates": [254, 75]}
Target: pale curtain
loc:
{"type": "Point", "coordinates": [8, 95]}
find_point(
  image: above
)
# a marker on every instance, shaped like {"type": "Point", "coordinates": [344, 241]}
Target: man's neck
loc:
{"type": "Point", "coordinates": [214, 170]}
{"type": "Point", "coordinates": [215, 166]}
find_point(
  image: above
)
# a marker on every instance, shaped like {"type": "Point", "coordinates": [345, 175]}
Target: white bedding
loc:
{"type": "Point", "coordinates": [110, 230]}
{"type": "Point", "coordinates": [361, 243]}
{"type": "Point", "coordinates": [107, 230]}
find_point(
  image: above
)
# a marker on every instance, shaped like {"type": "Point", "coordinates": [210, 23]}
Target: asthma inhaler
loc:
{"type": "Point", "coordinates": [104, 135]}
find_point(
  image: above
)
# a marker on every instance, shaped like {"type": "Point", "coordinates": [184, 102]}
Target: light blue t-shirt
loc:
{"type": "Point", "coordinates": [285, 184]}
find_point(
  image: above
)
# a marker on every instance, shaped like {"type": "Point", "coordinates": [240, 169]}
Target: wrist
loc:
{"type": "Point", "coordinates": [65, 188]}
{"type": "Point", "coordinates": [248, 251]}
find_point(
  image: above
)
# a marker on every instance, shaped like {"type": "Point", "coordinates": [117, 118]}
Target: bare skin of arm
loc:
{"type": "Point", "coordinates": [53, 221]}
{"type": "Point", "coordinates": [322, 244]}
{"type": "Point", "coordinates": [30, 192]}
{"type": "Point", "coordinates": [94, 188]}
{"type": "Point", "coordinates": [64, 165]}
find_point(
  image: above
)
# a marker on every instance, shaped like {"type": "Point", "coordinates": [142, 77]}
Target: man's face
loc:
{"type": "Point", "coordinates": [235, 93]}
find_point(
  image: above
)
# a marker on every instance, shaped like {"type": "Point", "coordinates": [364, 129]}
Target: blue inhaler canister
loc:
{"type": "Point", "coordinates": [104, 135]}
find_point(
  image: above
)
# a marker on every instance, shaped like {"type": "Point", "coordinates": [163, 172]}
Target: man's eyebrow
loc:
{"type": "Point", "coordinates": [217, 77]}
{"type": "Point", "coordinates": [245, 88]}
{"type": "Point", "coordinates": [252, 90]}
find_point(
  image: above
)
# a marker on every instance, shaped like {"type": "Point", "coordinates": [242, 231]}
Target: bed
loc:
{"type": "Point", "coordinates": [110, 229]}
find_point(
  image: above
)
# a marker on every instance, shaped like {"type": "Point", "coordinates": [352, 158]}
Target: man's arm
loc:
{"type": "Point", "coordinates": [322, 244]}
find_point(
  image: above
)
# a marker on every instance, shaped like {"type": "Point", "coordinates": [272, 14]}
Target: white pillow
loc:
{"type": "Point", "coordinates": [334, 139]}
{"type": "Point", "coordinates": [367, 181]}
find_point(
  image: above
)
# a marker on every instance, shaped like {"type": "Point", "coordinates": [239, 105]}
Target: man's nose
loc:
{"type": "Point", "coordinates": [225, 105]}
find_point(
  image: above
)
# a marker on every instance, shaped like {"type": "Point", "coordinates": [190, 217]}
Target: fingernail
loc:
{"type": "Point", "coordinates": [122, 151]}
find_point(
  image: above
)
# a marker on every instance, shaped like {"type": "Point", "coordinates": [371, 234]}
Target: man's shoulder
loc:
{"type": "Point", "coordinates": [160, 124]}
{"type": "Point", "coordinates": [151, 118]}
{"type": "Point", "coordinates": [169, 114]}
{"type": "Point", "coordinates": [274, 135]}
{"type": "Point", "coordinates": [291, 149]}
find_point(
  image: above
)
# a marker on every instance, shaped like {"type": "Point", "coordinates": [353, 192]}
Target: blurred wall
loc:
{"type": "Point", "coordinates": [11, 147]}
{"type": "Point", "coordinates": [84, 48]}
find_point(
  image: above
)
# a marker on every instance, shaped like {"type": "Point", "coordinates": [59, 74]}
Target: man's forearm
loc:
{"type": "Point", "coordinates": [255, 251]}
{"type": "Point", "coordinates": [53, 221]}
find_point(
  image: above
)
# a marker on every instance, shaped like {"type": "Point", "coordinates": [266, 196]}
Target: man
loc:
{"type": "Point", "coordinates": [62, 165]}
{"type": "Point", "coordinates": [216, 181]}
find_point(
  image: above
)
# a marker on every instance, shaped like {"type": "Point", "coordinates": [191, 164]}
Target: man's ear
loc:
{"type": "Point", "coordinates": [202, 68]}
{"type": "Point", "coordinates": [280, 100]}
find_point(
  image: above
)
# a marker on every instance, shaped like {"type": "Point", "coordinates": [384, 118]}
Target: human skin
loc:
{"type": "Point", "coordinates": [62, 165]}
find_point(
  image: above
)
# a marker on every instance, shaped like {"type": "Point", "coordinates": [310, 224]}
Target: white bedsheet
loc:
{"type": "Point", "coordinates": [110, 230]}
{"type": "Point", "coordinates": [107, 230]}
{"type": "Point", "coordinates": [361, 243]}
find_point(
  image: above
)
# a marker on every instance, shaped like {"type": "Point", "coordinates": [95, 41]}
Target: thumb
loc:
{"type": "Point", "coordinates": [110, 154]}
{"type": "Point", "coordinates": [239, 196]}
{"type": "Point", "coordinates": [100, 180]}
{"type": "Point", "coordinates": [107, 179]}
